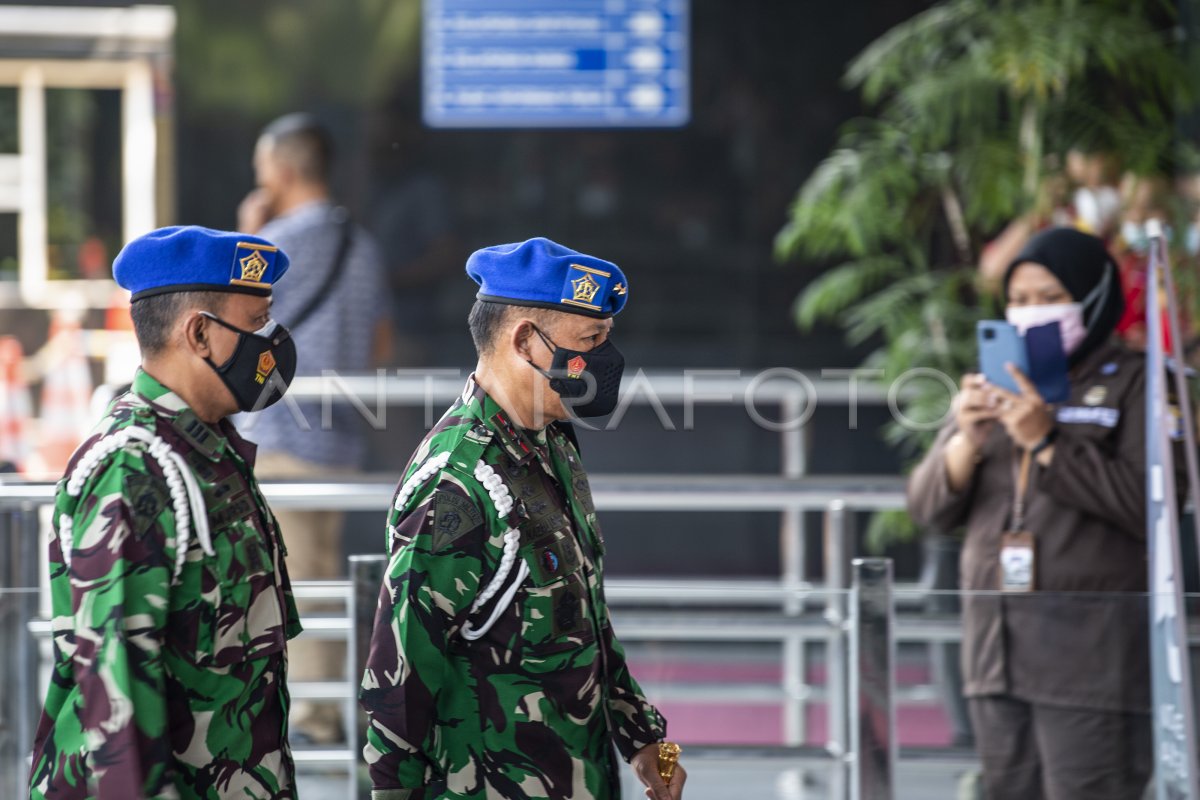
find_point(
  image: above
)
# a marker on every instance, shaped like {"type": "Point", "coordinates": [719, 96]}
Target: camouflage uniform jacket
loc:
{"type": "Point", "coordinates": [532, 708]}
{"type": "Point", "coordinates": [169, 646]}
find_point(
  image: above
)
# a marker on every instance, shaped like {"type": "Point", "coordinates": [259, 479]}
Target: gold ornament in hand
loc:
{"type": "Point", "coordinates": [668, 757]}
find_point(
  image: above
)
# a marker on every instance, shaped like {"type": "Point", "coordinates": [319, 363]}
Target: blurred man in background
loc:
{"type": "Point", "coordinates": [339, 314]}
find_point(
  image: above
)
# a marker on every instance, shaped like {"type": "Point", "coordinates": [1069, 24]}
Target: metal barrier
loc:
{"type": "Point", "coordinates": [366, 578]}
{"type": "Point", "coordinates": [863, 751]}
{"type": "Point", "coordinates": [872, 679]}
{"type": "Point", "coordinates": [795, 393]}
{"type": "Point", "coordinates": [789, 492]}
{"type": "Point", "coordinates": [19, 530]}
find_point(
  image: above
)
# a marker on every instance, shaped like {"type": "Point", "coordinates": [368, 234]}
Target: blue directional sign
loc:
{"type": "Point", "coordinates": [555, 63]}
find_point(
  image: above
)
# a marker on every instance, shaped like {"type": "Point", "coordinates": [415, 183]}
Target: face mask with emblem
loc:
{"type": "Point", "coordinates": [261, 366]}
{"type": "Point", "coordinates": [574, 374]}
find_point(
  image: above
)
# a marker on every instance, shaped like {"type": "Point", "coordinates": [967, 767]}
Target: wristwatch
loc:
{"type": "Point", "coordinates": [1046, 441]}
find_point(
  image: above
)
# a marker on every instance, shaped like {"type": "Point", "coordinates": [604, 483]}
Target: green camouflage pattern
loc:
{"type": "Point", "coordinates": [533, 708]}
{"type": "Point", "coordinates": [162, 688]}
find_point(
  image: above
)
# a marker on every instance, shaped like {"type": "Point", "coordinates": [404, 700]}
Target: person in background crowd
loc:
{"type": "Point", "coordinates": [1188, 191]}
{"type": "Point", "coordinates": [1053, 499]}
{"type": "Point", "coordinates": [1142, 198]}
{"type": "Point", "coordinates": [1096, 199]}
{"type": "Point", "coordinates": [1083, 195]}
{"type": "Point", "coordinates": [340, 315]}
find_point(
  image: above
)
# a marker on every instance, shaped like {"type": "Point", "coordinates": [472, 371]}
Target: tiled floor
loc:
{"type": "Point", "coordinates": [721, 777]}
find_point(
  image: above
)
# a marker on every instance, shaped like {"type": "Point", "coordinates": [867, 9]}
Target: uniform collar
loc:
{"type": "Point", "coordinates": [208, 440]}
{"type": "Point", "coordinates": [519, 443]}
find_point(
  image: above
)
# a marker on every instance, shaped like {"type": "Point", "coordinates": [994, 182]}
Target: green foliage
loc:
{"type": "Point", "coordinates": [267, 58]}
{"type": "Point", "coordinates": [971, 100]}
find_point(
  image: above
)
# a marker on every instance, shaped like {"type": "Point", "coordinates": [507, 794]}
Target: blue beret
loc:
{"type": "Point", "coordinates": [193, 259]}
{"type": "Point", "coordinates": [544, 274]}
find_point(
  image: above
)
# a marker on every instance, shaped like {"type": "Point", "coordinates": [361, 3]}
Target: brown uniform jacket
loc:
{"type": "Point", "coordinates": [1081, 639]}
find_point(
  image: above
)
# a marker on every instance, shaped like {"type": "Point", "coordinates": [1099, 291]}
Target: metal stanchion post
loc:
{"type": "Point", "coordinates": [18, 657]}
{"type": "Point", "coordinates": [839, 545]}
{"type": "Point", "coordinates": [795, 465]}
{"type": "Point", "coordinates": [872, 658]}
{"type": "Point", "coordinates": [10, 754]}
{"type": "Point", "coordinates": [792, 544]}
{"type": "Point", "coordinates": [366, 577]}
{"type": "Point", "coordinates": [794, 691]}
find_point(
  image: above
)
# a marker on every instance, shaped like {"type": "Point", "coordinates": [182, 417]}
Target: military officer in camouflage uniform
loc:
{"type": "Point", "coordinates": [171, 603]}
{"type": "Point", "coordinates": [493, 670]}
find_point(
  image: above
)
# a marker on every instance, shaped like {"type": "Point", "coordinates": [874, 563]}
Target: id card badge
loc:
{"type": "Point", "coordinates": [1016, 561]}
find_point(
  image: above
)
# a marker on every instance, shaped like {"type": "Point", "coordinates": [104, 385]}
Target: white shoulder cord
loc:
{"type": "Point", "coordinates": [512, 538]}
{"type": "Point", "coordinates": [187, 498]}
{"type": "Point", "coordinates": [512, 543]}
{"type": "Point", "coordinates": [432, 466]}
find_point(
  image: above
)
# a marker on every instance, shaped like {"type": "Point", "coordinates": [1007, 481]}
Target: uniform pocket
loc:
{"type": "Point", "coordinates": [555, 600]}
{"type": "Point", "coordinates": [552, 558]}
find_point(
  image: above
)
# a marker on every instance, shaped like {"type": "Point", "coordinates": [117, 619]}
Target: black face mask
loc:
{"type": "Point", "coordinates": [574, 374]}
{"type": "Point", "coordinates": [261, 367]}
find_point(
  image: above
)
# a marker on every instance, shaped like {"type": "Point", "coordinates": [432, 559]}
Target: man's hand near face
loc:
{"type": "Point", "coordinates": [255, 211]}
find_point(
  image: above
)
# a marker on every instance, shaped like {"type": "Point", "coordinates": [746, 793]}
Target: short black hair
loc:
{"type": "Point", "coordinates": [304, 144]}
{"type": "Point", "coordinates": [155, 316]}
{"type": "Point", "coordinates": [488, 320]}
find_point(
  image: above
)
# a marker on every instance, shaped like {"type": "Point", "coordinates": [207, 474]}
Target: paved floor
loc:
{"type": "Point", "coordinates": [724, 706]}
{"type": "Point", "coordinates": [724, 776]}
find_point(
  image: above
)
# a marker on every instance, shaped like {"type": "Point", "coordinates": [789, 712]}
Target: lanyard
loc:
{"type": "Point", "coordinates": [1021, 485]}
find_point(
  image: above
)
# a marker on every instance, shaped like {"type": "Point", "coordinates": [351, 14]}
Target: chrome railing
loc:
{"type": "Point", "coordinates": [675, 601]}
{"type": "Point", "coordinates": [812, 617]}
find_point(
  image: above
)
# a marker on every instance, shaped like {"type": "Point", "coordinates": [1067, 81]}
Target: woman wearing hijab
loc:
{"type": "Point", "coordinates": [1053, 499]}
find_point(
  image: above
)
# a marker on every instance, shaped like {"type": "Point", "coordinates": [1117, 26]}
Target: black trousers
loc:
{"type": "Point", "coordinates": [1038, 752]}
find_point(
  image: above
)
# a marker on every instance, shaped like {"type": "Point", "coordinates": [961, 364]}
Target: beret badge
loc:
{"type": "Point", "coordinates": [250, 264]}
{"type": "Point", "coordinates": [585, 283]}
{"type": "Point", "coordinates": [585, 288]}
